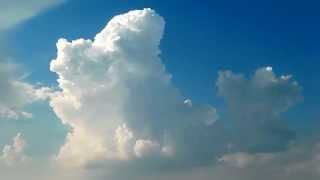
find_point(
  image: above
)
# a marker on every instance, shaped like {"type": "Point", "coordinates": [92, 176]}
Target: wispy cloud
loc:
{"type": "Point", "coordinates": [15, 94]}
{"type": "Point", "coordinates": [12, 12]}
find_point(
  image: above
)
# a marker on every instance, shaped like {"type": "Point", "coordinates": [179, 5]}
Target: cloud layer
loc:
{"type": "Point", "coordinates": [300, 161]}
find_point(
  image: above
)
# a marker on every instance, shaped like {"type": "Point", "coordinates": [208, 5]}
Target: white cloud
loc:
{"type": "Point", "coordinates": [146, 148]}
{"type": "Point", "coordinates": [8, 113]}
{"type": "Point", "coordinates": [13, 12]}
{"type": "Point", "coordinates": [14, 154]}
{"type": "Point", "coordinates": [238, 159]}
{"type": "Point", "coordinates": [124, 141]}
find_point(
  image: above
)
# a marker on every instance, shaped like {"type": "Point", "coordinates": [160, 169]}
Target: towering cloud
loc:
{"type": "Point", "coordinates": [118, 98]}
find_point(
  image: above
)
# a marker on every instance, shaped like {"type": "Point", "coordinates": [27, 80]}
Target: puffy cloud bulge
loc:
{"type": "Point", "coordinates": [121, 106]}
{"type": "Point", "coordinates": [117, 96]}
{"type": "Point", "coordinates": [255, 106]}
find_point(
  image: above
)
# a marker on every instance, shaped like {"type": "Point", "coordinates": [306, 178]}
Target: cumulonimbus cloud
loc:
{"type": "Point", "coordinates": [122, 107]}
{"type": "Point", "coordinates": [117, 96]}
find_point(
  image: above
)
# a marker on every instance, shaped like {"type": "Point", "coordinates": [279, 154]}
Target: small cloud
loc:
{"type": "Point", "coordinates": [14, 154]}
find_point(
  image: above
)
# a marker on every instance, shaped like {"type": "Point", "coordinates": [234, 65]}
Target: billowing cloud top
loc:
{"type": "Point", "coordinates": [117, 96]}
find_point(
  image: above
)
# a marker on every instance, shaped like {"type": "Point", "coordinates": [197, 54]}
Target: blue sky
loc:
{"type": "Point", "coordinates": [200, 39]}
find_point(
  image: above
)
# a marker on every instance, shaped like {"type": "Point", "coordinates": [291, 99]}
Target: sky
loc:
{"type": "Point", "coordinates": [155, 90]}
